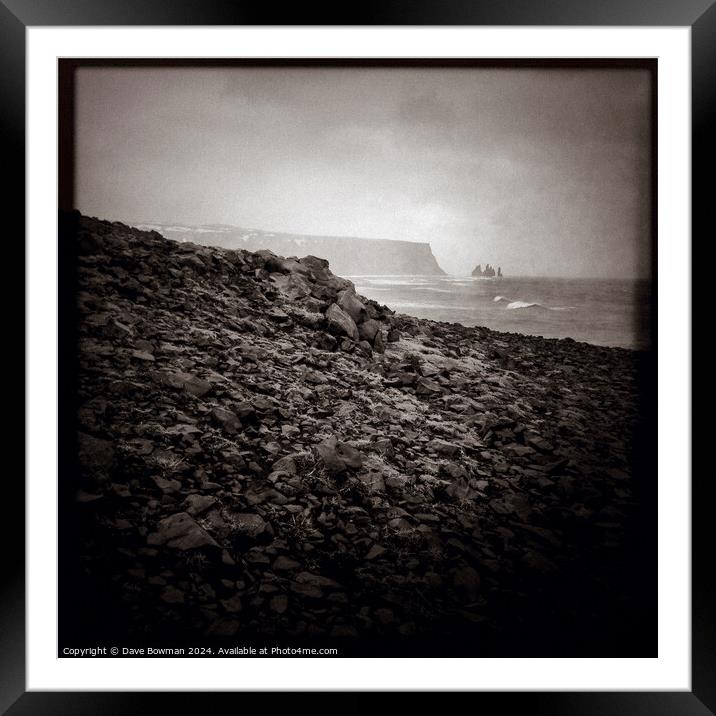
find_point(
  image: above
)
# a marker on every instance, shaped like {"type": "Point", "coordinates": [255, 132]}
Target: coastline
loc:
{"type": "Point", "coordinates": [264, 454]}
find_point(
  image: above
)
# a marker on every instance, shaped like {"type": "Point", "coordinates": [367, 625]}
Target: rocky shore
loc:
{"type": "Point", "coordinates": [257, 454]}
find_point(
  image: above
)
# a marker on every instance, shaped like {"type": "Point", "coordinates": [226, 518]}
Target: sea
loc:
{"type": "Point", "coordinates": [604, 312]}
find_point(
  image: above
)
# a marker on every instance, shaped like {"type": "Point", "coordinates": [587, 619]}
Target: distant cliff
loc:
{"type": "Point", "coordinates": [346, 255]}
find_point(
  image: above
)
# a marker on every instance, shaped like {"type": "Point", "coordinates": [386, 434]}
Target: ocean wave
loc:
{"type": "Point", "coordinates": [515, 305]}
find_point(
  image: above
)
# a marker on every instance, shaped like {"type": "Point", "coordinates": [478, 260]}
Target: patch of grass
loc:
{"type": "Point", "coordinates": [167, 464]}
{"type": "Point", "coordinates": [298, 527]}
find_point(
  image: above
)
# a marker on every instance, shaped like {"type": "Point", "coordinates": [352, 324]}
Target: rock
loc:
{"type": "Point", "coordinates": [378, 344]}
{"type": "Point", "coordinates": [143, 356]}
{"type": "Point", "coordinates": [284, 564]}
{"type": "Point", "coordinates": [426, 386]}
{"type": "Point", "coordinates": [263, 405]}
{"type": "Point", "coordinates": [520, 450]}
{"type": "Point", "coordinates": [233, 605]}
{"type": "Point", "coordinates": [251, 526]}
{"type": "Point", "coordinates": [539, 443]}
{"type": "Point", "coordinates": [460, 490]}
{"type": "Point", "coordinates": [310, 591]}
{"type": "Point", "coordinates": [372, 481]}
{"type": "Point", "coordinates": [83, 496]}
{"type": "Point", "coordinates": [455, 471]}
{"type": "Point", "coordinates": [245, 411]}
{"type": "Point", "coordinates": [257, 556]}
{"type": "Point", "coordinates": [396, 482]}
{"type": "Point", "coordinates": [349, 302]}
{"type": "Point", "coordinates": [442, 447]}
{"type": "Point", "coordinates": [180, 531]}
{"type": "Point", "coordinates": [340, 322]}
{"type": "Point", "coordinates": [285, 464]}
{"type": "Point", "coordinates": [279, 316]}
{"type": "Point", "coordinates": [365, 348]}
{"type": "Point", "coordinates": [337, 456]}
{"type": "Point", "coordinates": [197, 504]}
{"type": "Point", "coordinates": [375, 551]}
{"type": "Point", "coordinates": [369, 329]}
{"type": "Point", "coordinates": [316, 579]}
{"type": "Point", "coordinates": [188, 382]}
{"type": "Point", "coordinates": [227, 420]}
{"type": "Point", "coordinates": [167, 485]}
{"type": "Point", "coordinates": [315, 264]}
{"type": "Point", "coordinates": [393, 335]}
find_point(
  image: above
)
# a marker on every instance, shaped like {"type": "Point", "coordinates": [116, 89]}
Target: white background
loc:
{"type": "Point", "coordinates": [671, 670]}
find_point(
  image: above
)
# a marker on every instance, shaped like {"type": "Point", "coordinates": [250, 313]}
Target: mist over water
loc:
{"type": "Point", "coordinates": [606, 312]}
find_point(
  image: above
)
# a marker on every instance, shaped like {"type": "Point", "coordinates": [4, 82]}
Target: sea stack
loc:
{"type": "Point", "coordinates": [488, 272]}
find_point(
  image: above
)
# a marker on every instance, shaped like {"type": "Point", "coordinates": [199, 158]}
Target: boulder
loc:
{"type": "Point", "coordinates": [352, 305]}
{"type": "Point", "coordinates": [227, 420]}
{"type": "Point", "coordinates": [337, 456]}
{"type": "Point", "coordinates": [369, 329]}
{"type": "Point", "coordinates": [365, 348]}
{"type": "Point", "coordinates": [340, 322]}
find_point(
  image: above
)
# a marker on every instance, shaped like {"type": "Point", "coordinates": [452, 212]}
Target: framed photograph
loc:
{"type": "Point", "coordinates": [349, 365]}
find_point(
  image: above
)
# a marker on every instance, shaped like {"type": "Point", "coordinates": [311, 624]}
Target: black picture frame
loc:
{"type": "Point", "coordinates": [699, 15]}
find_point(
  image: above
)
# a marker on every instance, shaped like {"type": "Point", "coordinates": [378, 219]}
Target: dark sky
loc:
{"type": "Point", "coordinates": [540, 171]}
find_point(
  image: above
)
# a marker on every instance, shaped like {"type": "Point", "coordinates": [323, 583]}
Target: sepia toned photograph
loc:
{"type": "Point", "coordinates": [357, 358]}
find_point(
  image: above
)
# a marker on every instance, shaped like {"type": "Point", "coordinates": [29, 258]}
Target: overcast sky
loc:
{"type": "Point", "coordinates": [540, 171]}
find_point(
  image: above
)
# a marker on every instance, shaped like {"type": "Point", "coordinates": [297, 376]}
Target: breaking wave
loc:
{"type": "Point", "coordinates": [514, 305]}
